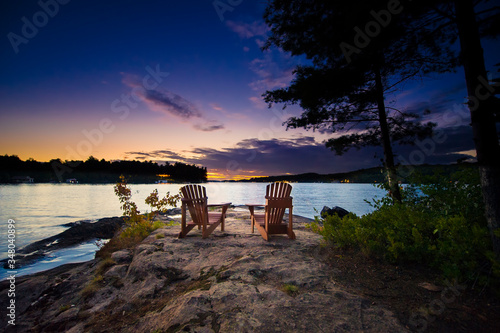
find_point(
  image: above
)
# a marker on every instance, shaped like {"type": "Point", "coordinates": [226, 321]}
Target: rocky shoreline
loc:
{"type": "Point", "coordinates": [233, 281]}
{"type": "Point", "coordinates": [78, 232]}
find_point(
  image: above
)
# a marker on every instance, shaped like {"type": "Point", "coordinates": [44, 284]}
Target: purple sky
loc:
{"type": "Point", "coordinates": [179, 81]}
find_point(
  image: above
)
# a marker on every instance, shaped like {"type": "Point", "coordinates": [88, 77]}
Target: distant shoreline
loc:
{"type": "Point", "coordinates": [14, 170]}
{"type": "Point", "coordinates": [361, 176]}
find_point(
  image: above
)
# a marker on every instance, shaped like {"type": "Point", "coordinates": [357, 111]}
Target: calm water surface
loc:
{"type": "Point", "coordinates": [40, 210]}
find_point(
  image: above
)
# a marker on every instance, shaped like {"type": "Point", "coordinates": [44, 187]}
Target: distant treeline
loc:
{"type": "Point", "coordinates": [13, 169]}
{"type": "Point", "coordinates": [371, 175]}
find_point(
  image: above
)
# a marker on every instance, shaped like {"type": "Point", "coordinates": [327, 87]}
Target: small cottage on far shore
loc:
{"type": "Point", "coordinates": [22, 179]}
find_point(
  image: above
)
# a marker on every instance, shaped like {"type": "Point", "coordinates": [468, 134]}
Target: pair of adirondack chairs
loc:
{"type": "Point", "coordinates": [278, 199]}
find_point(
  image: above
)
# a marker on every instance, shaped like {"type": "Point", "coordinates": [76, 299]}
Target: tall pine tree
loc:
{"type": "Point", "coordinates": [359, 51]}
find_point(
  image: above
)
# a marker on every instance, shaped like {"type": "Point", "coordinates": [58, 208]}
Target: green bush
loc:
{"type": "Point", "coordinates": [453, 195]}
{"type": "Point", "coordinates": [139, 226]}
{"type": "Point", "coordinates": [440, 223]}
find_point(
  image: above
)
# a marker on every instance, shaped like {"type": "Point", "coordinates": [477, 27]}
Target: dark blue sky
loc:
{"type": "Point", "coordinates": [177, 81]}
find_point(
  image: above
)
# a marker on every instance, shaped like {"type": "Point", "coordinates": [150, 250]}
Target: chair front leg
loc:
{"type": "Point", "coordinates": [223, 217]}
{"type": "Point", "coordinates": [291, 234]}
{"type": "Point", "coordinates": [252, 218]}
{"type": "Point", "coordinates": [183, 221]}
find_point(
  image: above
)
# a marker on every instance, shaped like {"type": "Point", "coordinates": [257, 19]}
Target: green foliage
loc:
{"type": "Point", "coordinates": [141, 229]}
{"type": "Point", "coordinates": [138, 226]}
{"type": "Point", "coordinates": [440, 223]}
{"type": "Point", "coordinates": [92, 287]}
{"type": "Point", "coordinates": [458, 194]}
{"type": "Point", "coordinates": [290, 289]}
{"type": "Point", "coordinates": [63, 308]}
{"type": "Point", "coordinates": [124, 194]}
{"type": "Point", "coordinates": [342, 87]}
{"type": "Point", "coordinates": [129, 207]}
{"type": "Point", "coordinates": [161, 205]}
{"type": "Point", "coordinates": [104, 265]}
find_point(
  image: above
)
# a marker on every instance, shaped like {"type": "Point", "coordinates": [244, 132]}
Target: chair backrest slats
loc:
{"type": "Point", "coordinates": [277, 200]}
{"type": "Point", "coordinates": [197, 202]}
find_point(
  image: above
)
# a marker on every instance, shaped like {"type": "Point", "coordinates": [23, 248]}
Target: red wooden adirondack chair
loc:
{"type": "Point", "coordinates": [271, 222]}
{"type": "Point", "coordinates": [194, 197]}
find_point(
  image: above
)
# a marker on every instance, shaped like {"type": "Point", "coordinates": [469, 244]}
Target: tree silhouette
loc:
{"type": "Point", "coordinates": [471, 21]}
{"type": "Point", "coordinates": [417, 37]}
{"type": "Point", "coordinates": [98, 171]}
{"type": "Point", "coordinates": [359, 52]}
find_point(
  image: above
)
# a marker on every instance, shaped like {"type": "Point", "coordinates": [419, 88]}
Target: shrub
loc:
{"type": "Point", "coordinates": [92, 287]}
{"type": "Point", "coordinates": [138, 226]}
{"type": "Point", "coordinates": [290, 289]}
{"type": "Point", "coordinates": [103, 266]}
{"type": "Point", "coordinates": [440, 223]}
{"type": "Point", "coordinates": [453, 195]}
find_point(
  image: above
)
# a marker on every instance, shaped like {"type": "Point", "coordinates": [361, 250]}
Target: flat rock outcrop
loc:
{"type": "Point", "coordinates": [233, 281]}
{"type": "Point", "coordinates": [77, 233]}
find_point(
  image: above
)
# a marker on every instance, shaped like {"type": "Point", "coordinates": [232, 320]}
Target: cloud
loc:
{"type": "Point", "coordinates": [259, 157]}
{"type": "Point", "coordinates": [209, 126]}
{"type": "Point", "coordinates": [227, 114]}
{"type": "Point", "coordinates": [260, 43]}
{"type": "Point", "coordinates": [302, 154]}
{"type": "Point", "coordinates": [156, 154]}
{"type": "Point", "coordinates": [279, 156]}
{"type": "Point", "coordinates": [446, 146]}
{"type": "Point", "coordinates": [270, 75]}
{"type": "Point", "coordinates": [258, 102]}
{"type": "Point", "coordinates": [445, 106]}
{"type": "Point", "coordinates": [171, 104]}
{"type": "Point", "coordinates": [216, 107]}
{"type": "Point", "coordinates": [274, 70]}
{"type": "Point", "coordinates": [248, 30]}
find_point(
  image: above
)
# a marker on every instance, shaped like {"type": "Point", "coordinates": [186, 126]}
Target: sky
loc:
{"type": "Point", "coordinates": [181, 81]}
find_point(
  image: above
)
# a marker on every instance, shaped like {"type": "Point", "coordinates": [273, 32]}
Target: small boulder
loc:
{"type": "Point", "coordinates": [326, 211]}
{"type": "Point", "coordinates": [122, 257]}
{"type": "Point", "coordinates": [173, 211]}
{"type": "Point", "coordinates": [118, 271]}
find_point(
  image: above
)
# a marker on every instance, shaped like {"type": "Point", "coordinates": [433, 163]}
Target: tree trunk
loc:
{"type": "Point", "coordinates": [386, 139]}
{"type": "Point", "coordinates": [481, 107]}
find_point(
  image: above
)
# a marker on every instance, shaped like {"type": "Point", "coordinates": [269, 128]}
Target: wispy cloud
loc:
{"type": "Point", "coordinates": [209, 126]}
{"type": "Point", "coordinates": [273, 71]}
{"type": "Point", "coordinates": [271, 74]}
{"type": "Point", "coordinates": [248, 30]}
{"type": "Point", "coordinates": [165, 155]}
{"type": "Point", "coordinates": [227, 114]}
{"type": "Point", "coordinates": [441, 107]}
{"type": "Point", "coordinates": [170, 104]}
{"type": "Point", "coordinates": [258, 102]}
{"type": "Point", "coordinates": [216, 107]}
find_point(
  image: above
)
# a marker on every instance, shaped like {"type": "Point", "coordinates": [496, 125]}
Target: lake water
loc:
{"type": "Point", "coordinates": [40, 210]}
